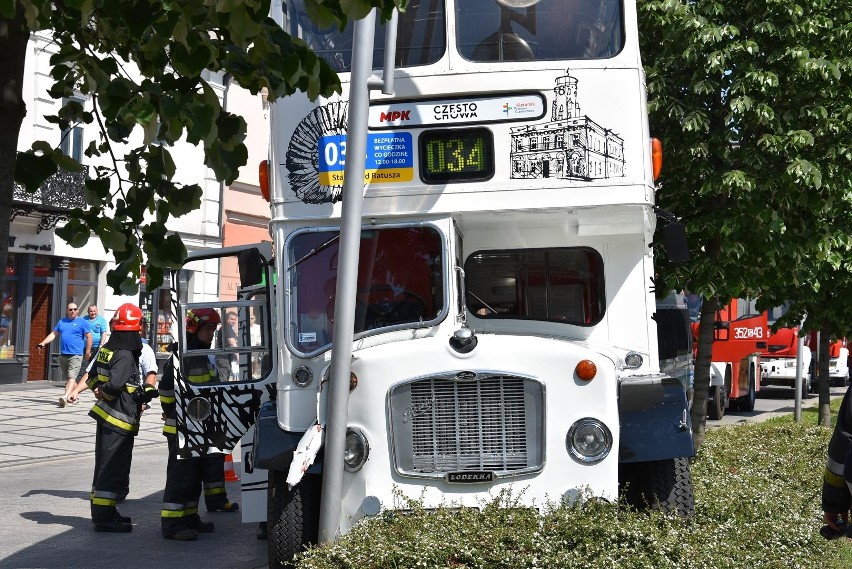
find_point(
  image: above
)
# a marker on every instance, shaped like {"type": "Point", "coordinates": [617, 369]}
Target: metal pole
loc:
{"type": "Point", "coordinates": [347, 278]}
{"type": "Point", "coordinates": [800, 346]}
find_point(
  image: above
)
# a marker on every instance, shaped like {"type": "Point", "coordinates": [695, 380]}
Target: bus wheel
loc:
{"type": "Point", "coordinates": [662, 485]}
{"type": "Point", "coordinates": [292, 516]}
{"type": "Point", "coordinates": [806, 386]}
{"type": "Point", "coordinates": [716, 403]}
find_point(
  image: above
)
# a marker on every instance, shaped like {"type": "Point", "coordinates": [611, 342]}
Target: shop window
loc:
{"type": "Point", "coordinates": [8, 305]}
{"type": "Point", "coordinates": [82, 284]}
{"type": "Point", "coordinates": [8, 308]}
{"type": "Point", "coordinates": [82, 270]}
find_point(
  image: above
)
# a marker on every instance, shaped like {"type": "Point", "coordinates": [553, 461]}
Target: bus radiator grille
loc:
{"type": "Point", "coordinates": [493, 423]}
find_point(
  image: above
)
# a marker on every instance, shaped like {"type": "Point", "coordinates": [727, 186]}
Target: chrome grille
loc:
{"type": "Point", "coordinates": [445, 425]}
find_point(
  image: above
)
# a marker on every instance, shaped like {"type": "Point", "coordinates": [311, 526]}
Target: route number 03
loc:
{"type": "Point", "coordinates": [335, 153]}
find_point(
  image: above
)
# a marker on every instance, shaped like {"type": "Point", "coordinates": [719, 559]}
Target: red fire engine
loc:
{"type": "Point", "coordinates": [740, 335]}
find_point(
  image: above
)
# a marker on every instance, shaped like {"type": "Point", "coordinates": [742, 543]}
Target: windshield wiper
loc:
{"type": "Point", "coordinates": [316, 250]}
{"type": "Point", "coordinates": [485, 304]}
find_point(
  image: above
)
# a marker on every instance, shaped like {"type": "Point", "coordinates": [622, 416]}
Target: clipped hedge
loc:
{"type": "Point", "coordinates": [757, 494]}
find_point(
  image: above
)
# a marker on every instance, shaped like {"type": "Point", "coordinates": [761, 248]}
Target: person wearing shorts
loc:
{"type": "Point", "coordinates": [75, 339]}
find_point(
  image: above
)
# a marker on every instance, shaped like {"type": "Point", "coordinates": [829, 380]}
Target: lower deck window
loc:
{"type": "Point", "coordinates": [560, 285]}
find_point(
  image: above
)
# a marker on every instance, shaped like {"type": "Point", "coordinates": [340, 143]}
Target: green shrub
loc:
{"type": "Point", "coordinates": [757, 498]}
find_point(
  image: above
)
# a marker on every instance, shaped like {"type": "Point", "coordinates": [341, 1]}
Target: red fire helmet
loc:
{"type": "Point", "coordinates": [128, 318]}
{"type": "Point", "coordinates": [201, 316]}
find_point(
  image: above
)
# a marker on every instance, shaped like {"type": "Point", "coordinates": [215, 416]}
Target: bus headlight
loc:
{"type": "Point", "coordinates": [633, 360]}
{"type": "Point", "coordinates": [589, 440]}
{"type": "Point", "coordinates": [356, 450]}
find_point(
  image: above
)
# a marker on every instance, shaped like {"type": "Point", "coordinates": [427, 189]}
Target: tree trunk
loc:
{"type": "Point", "coordinates": [14, 36]}
{"type": "Point", "coordinates": [823, 381]}
{"type": "Point", "coordinates": [706, 329]}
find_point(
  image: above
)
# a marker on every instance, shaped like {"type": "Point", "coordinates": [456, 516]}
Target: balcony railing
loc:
{"type": "Point", "coordinates": [54, 200]}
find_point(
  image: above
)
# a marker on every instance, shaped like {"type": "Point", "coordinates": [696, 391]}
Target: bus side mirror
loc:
{"type": "Point", "coordinates": [251, 263]}
{"type": "Point", "coordinates": [674, 237]}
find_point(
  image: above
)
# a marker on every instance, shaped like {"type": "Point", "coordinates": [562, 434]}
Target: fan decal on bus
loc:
{"type": "Point", "coordinates": [569, 146]}
{"type": "Point", "coordinates": [303, 154]}
{"type": "Point", "coordinates": [316, 156]}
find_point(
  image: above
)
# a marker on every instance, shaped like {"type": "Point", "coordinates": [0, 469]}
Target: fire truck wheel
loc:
{"type": "Point", "coordinates": [662, 485]}
{"type": "Point", "coordinates": [806, 387]}
{"type": "Point", "coordinates": [746, 402]}
{"type": "Point", "coordinates": [292, 516]}
{"type": "Point", "coordinates": [715, 403]}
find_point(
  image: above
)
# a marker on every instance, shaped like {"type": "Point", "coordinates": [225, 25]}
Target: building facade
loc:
{"type": "Point", "coordinates": [245, 211]}
{"type": "Point", "coordinates": [44, 272]}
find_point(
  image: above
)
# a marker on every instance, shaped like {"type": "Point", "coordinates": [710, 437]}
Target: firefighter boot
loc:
{"type": "Point", "coordinates": [182, 534]}
{"type": "Point", "coordinates": [226, 507]}
{"type": "Point", "coordinates": [194, 522]}
{"type": "Point", "coordinates": [115, 526]}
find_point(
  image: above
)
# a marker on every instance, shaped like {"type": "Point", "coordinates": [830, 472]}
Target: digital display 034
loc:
{"type": "Point", "coordinates": [456, 155]}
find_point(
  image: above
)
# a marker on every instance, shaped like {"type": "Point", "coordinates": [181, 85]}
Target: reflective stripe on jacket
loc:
{"type": "Point", "coordinates": [117, 378]}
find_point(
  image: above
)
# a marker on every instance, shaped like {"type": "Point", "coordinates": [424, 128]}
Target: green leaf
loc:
{"type": "Point", "coordinates": [75, 232]}
{"type": "Point", "coordinates": [168, 253]}
{"type": "Point", "coordinates": [32, 170]}
{"type": "Point", "coordinates": [191, 62]}
{"type": "Point", "coordinates": [7, 8]}
{"type": "Point", "coordinates": [153, 277]}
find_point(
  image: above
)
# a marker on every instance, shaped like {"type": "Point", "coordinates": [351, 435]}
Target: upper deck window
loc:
{"type": "Point", "coordinates": [561, 285]}
{"type": "Point", "coordinates": [493, 30]}
{"type": "Point", "coordinates": [400, 282]}
{"type": "Point", "coordinates": [421, 36]}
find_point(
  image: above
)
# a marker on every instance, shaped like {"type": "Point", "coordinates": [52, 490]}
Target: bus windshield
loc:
{"type": "Point", "coordinates": [493, 30]}
{"type": "Point", "coordinates": [400, 282]}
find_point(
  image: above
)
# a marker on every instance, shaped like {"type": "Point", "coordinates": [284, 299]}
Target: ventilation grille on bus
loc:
{"type": "Point", "coordinates": [493, 423]}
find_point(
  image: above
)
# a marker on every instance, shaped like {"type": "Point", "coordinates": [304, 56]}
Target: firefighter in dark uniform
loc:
{"type": "Point", "coordinates": [120, 395]}
{"type": "Point", "coordinates": [184, 477]}
{"type": "Point", "coordinates": [837, 477]}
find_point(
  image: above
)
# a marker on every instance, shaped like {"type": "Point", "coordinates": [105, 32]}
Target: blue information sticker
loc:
{"type": "Point", "coordinates": [390, 158]}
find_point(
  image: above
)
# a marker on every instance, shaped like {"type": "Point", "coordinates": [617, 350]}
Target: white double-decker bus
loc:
{"type": "Point", "coordinates": [504, 335]}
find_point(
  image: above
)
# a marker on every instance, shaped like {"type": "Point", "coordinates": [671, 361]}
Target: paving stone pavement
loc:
{"type": "Point", "coordinates": [46, 464]}
{"type": "Point", "coordinates": [35, 428]}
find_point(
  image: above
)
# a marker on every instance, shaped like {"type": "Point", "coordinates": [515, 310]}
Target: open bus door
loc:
{"type": "Point", "coordinates": [212, 415]}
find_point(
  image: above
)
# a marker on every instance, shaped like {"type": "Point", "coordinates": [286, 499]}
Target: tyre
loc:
{"type": "Point", "coordinates": [746, 402]}
{"type": "Point", "coordinates": [806, 386]}
{"type": "Point", "coordinates": [292, 516]}
{"type": "Point", "coordinates": [716, 402]}
{"type": "Point", "coordinates": [840, 381]}
{"type": "Point", "coordinates": [662, 485]}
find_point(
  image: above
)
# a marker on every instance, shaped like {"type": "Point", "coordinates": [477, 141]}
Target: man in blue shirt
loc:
{"type": "Point", "coordinates": [75, 338]}
{"type": "Point", "coordinates": [99, 327]}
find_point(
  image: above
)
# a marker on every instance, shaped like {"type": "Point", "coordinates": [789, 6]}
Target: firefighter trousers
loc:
{"type": "Point", "coordinates": [183, 488]}
{"type": "Point", "coordinates": [185, 478]}
{"type": "Point", "coordinates": [113, 454]}
{"type": "Point", "coordinates": [213, 477]}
